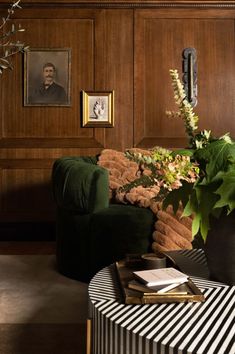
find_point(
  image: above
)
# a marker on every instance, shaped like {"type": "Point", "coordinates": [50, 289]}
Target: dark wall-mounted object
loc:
{"type": "Point", "coordinates": [190, 74]}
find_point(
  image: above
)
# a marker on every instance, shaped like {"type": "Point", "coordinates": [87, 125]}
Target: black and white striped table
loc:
{"type": "Point", "coordinates": [205, 328]}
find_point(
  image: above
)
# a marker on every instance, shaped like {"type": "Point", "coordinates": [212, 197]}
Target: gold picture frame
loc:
{"type": "Point", "coordinates": [47, 77]}
{"type": "Point", "coordinates": [98, 109]}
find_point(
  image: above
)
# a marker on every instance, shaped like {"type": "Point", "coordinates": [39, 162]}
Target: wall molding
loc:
{"type": "Point", "coordinates": [131, 4]}
{"type": "Point", "coordinates": [26, 164]}
{"type": "Point", "coordinates": [50, 143]}
{"type": "Point", "coordinates": [167, 142]}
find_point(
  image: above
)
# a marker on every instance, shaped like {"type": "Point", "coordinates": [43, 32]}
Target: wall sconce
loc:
{"type": "Point", "coordinates": [190, 75]}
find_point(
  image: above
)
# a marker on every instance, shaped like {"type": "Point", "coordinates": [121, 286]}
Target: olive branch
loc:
{"type": "Point", "coordinates": [8, 29]}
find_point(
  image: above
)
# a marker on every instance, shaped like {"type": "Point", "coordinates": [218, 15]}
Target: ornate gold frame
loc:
{"type": "Point", "coordinates": [89, 117]}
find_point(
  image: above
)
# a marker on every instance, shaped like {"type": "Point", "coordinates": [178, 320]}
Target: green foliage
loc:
{"type": "Point", "coordinates": [183, 152]}
{"type": "Point", "coordinates": [226, 191]}
{"type": "Point", "coordinates": [216, 156]}
{"type": "Point", "coordinates": [145, 181]}
{"type": "Point", "coordinates": [177, 196]}
{"type": "Point", "coordinates": [214, 190]}
{"type": "Point", "coordinates": [165, 169]}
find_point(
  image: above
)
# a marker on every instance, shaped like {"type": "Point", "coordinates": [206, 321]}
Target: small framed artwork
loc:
{"type": "Point", "coordinates": [47, 77]}
{"type": "Point", "coordinates": [98, 109]}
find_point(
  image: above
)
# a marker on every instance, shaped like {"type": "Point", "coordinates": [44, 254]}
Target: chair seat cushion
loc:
{"type": "Point", "coordinates": [119, 230]}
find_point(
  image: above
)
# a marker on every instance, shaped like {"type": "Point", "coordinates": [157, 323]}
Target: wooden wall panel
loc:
{"type": "Point", "coordinates": [115, 65]}
{"type": "Point", "coordinates": [101, 43]}
{"type": "Point", "coordinates": [58, 121]}
{"type": "Point", "coordinates": [52, 122]}
{"type": "Point", "coordinates": [125, 46]}
{"type": "Point", "coordinates": [102, 59]}
{"type": "Point", "coordinates": [159, 42]}
{"type": "Point", "coordinates": [26, 192]}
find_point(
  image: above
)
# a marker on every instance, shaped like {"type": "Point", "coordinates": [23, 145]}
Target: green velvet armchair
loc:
{"type": "Point", "coordinates": [92, 232]}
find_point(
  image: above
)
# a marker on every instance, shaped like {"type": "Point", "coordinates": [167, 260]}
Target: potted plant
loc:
{"type": "Point", "coordinates": [211, 198]}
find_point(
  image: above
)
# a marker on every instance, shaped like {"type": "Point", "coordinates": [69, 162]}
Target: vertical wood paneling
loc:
{"type": "Point", "coordinates": [26, 189]}
{"type": "Point", "coordinates": [20, 121]}
{"type": "Point", "coordinates": [159, 43]}
{"type": "Point", "coordinates": [114, 68]}
{"type": "Point", "coordinates": [128, 50]}
{"type": "Point", "coordinates": [26, 193]}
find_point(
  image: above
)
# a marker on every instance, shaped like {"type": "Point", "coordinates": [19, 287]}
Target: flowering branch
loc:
{"type": "Point", "coordinates": [197, 140]}
{"type": "Point", "coordinates": [163, 169]}
{"type": "Point", "coordinates": [8, 48]}
{"type": "Point", "coordinates": [185, 109]}
{"type": "Point", "coordinates": [213, 191]}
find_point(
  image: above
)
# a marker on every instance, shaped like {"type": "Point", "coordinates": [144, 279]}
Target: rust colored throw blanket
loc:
{"type": "Point", "coordinates": [172, 232]}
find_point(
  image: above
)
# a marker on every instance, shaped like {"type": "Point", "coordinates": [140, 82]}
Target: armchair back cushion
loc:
{"type": "Point", "coordinates": [80, 185]}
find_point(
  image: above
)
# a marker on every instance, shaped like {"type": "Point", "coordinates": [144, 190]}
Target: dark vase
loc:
{"type": "Point", "coordinates": [220, 249]}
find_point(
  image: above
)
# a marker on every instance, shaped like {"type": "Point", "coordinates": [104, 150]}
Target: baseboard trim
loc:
{"type": "Point", "coordinates": [28, 231]}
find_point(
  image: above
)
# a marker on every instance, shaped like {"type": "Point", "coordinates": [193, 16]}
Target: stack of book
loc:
{"type": "Point", "coordinates": [162, 281]}
{"type": "Point", "coordinates": [155, 285]}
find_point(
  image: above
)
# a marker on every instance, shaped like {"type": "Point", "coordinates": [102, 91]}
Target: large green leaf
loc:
{"type": "Point", "coordinates": [178, 195]}
{"type": "Point", "coordinates": [226, 191]}
{"type": "Point", "coordinates": [215, 157]}
{"type": "Point", "coordinates": [191, 208]}
{"type": "Point", "coordinates": [183, 152]}
{"type": "Point", "coordinates": [196, 224]}
{"type": "Point", "coordinates": [201, 203]}
{"type": "Point", "coordinates": [213, 191]}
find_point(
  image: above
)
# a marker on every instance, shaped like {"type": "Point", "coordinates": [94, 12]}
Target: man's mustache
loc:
{"type": "Point", "coordinates": [50, 76]}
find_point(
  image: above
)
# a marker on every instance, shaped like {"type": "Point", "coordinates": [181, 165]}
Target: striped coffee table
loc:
{"type": "Point", "coordinates": [205, 328]}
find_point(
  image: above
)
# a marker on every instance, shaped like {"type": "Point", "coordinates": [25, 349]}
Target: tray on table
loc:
{"type": "Point", "coordinates": [125, 269]}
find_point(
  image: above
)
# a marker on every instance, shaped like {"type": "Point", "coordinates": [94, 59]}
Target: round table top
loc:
{"type": "Point", "coordinates": [201, 327]}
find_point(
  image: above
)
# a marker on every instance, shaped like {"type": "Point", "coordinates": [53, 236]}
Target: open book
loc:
{"type": "Point", "coordinates": [152, 277]}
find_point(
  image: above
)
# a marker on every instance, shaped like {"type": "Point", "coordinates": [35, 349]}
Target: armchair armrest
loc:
{"type": "Point", "coordinates": [80, 185]}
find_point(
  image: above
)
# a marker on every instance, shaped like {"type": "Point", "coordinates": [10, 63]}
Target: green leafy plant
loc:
{"type": "Point", "coordinates": [8, 29]}
{"type": "Point", "coordinates": [162, 168]}
{"type": "Point", "coordinates": [214, 190]}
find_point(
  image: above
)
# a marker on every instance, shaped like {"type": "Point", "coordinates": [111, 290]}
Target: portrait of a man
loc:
{"type": "Point", "coordinates": [47, 77]}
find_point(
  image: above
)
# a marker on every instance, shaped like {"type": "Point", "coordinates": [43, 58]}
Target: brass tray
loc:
{"type": "Point", "coordinates": [125, 269]}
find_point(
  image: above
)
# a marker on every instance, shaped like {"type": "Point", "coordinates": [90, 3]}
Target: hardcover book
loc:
{"type": "Point", "coordinates": [172, 289]}
{"type": "Point", "coordinates": [161, 276]}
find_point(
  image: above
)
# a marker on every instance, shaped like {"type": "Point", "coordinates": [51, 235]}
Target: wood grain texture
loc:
{"type": "Point", "coordinates": [26, 191]}
{"type": "Point", "coordinates": [159, 43]}
{"type": "Point", "coordinates": [125, 46]}
{"type": "Point", "coordinates": [129, 3]}
{"type": "Point", "coordinates": [27, 122]}
{"type": "Point", "coordinates": [114, 67]}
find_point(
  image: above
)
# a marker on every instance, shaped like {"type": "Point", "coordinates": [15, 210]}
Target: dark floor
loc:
{"type": "Point", "coordinates": [39, 338]}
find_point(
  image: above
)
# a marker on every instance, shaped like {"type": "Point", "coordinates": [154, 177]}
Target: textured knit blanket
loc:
{"type": "Point", "coordinates": [172, 231]}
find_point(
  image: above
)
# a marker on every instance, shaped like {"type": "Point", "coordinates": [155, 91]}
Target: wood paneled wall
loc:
{"type": "Point", "coordinates": [160, 37]}
{"type": "Point", "coordinates": [127, 47]}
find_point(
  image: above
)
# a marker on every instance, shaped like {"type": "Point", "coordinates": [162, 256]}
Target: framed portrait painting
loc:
{"type": "Point", "coordinates": [47, 77]}
{"type": "Point", "coordinates": [98, 109]}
